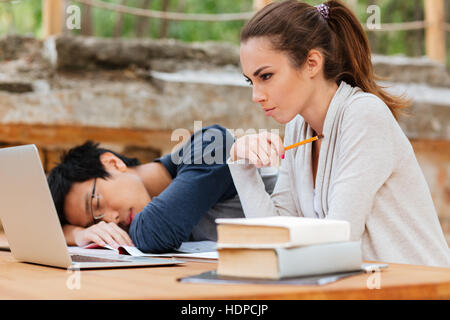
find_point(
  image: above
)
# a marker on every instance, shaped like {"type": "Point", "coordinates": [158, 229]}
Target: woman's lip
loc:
{"type": "Point", "coordinates": [269, 111]}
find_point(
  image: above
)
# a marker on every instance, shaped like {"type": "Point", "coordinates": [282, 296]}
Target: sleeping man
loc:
{"type": "Point", "coordinates": [106, 198]}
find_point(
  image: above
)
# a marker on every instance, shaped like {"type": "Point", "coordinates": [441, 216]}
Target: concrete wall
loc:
{"type": "Point", "coordinates": [131, 96]}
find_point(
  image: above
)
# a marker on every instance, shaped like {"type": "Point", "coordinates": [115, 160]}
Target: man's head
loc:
{"type": "Point", "coordinates": [93, 184]}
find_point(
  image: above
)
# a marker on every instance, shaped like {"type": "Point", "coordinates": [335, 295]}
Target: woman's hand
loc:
{"type": "Point", "coordinates": [101, 233]}
{"type": "Point", "coordinates": [262, 149]}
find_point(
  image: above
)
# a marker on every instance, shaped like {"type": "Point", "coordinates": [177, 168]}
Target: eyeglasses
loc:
{"type": "Point", "coordinates": [96, 214]}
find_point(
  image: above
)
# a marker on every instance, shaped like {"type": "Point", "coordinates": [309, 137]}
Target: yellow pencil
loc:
{"type": "Point", "coordinates": [298, 144]}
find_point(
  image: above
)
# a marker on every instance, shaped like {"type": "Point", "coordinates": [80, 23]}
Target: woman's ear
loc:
{"type": "Point", "coordinates": [111, 162]}
{"type": "Point", "coordinates": [314, 62]}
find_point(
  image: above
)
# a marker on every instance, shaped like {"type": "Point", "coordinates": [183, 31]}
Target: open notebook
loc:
{"type": "Point", "coordinates": [204, 251]}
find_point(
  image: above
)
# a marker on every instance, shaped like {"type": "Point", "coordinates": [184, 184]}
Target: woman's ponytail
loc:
{"type": "Point", "coordinates": [354, 54]}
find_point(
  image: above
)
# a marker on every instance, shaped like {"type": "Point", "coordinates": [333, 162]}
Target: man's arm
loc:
{"type": "Point", "coordinates": [168, 220]}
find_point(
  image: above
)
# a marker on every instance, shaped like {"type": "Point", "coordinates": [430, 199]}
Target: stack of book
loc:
{"type": "Point", "coordinates": [284, 247]}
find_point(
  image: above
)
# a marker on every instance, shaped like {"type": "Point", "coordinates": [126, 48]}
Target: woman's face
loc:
{"type": "Point", "coordinates": [280, 89]}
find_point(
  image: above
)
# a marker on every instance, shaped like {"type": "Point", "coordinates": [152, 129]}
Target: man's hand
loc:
{"type": "Point", "coordinates": [101, 233]}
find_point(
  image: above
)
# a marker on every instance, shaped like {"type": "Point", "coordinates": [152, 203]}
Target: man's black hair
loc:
{"type": "Point", "coordinates": [79, 164]}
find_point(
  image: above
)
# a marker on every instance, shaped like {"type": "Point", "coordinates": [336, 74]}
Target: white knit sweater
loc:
{"type": "Point", "coordinates": [367, 175]}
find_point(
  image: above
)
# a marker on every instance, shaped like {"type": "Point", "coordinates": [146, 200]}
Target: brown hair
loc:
{"type": "Point", "coordinates": [295, 28]}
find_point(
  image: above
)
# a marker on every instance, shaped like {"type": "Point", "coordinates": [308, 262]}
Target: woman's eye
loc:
{"type": "Point", "coordinates": [266, 76]}
{"type": "Point", "coordinates": [248, 81]}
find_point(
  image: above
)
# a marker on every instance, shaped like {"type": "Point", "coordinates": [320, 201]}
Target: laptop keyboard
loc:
{"type": "Point", "coordinates": [81, 258]}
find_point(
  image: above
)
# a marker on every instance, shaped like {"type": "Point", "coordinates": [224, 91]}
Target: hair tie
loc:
{"type": "Point", "coordinates": [324, 10]}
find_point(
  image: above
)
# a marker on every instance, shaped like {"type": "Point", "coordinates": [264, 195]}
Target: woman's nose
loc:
{"type": "Point", "coordinates": [258, 96]}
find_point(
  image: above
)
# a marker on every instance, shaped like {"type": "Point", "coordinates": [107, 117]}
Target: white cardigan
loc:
{"type": "Point", "coordinates": [367, 175]}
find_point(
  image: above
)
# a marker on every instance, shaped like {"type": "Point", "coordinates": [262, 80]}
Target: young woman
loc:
{"type": "Point", "coordinates": [310, 68]}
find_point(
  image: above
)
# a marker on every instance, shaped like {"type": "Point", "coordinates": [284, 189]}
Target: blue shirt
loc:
{"type": "Point", "coordinates": [201, 178]}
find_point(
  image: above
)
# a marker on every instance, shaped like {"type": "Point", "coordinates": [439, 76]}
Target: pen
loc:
{"type": "Point", "coordinates": [298, 144]}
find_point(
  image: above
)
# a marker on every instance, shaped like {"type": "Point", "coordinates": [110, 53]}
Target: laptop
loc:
{"type": "Point", "coordinates": [31, 223]}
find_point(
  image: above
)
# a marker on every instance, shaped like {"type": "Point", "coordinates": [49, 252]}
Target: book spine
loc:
{"type": "Point", "coordinates": [319, 259]}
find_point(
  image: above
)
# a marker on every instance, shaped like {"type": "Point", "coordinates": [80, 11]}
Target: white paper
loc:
{"type": "Point", "coordinates": [192, 249]}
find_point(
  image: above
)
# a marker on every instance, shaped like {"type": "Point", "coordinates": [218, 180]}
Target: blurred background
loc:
{"type": "Point", "coordinates": [128, 73]}
{"type": "Point", "coordinates": [25, 17]}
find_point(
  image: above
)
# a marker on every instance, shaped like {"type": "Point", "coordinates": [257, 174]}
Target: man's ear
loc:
{"type": "Point", "coordinates": [111, 162]}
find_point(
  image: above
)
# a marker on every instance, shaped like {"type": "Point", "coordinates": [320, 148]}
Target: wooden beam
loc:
{"type": "Point", "coordinates": [435, 31]}
{"type": "Point", "coordinates": [259, 4]}
{"type": "Point", "coordinates": [118, 28]}
{"type": "Point", "coordinates": [142, 22]}
{"type": "Point", "coordinates": [52, 17]}
{"type": "Point", "coordinates": [65, 136]}
{"type": "Point", "coordinates": [353, 4]}
{"type": "Point", "coordinates": [164, 24]}
{"type": "Point", "coordinates": [87, 23]}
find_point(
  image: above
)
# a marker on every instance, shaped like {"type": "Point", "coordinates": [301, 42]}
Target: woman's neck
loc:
{"type": "Point", "coordinates": [317, 109]}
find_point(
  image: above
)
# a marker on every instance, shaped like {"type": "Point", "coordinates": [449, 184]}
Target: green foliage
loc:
{"type": "Point", "coordinates": [21, 17]}
{"type": "Point", "coordinates": [25, 17]}
{"type": "Point", "coordinates": [183, 30]}
{"type": "Point", "coordinates": [410, 43]}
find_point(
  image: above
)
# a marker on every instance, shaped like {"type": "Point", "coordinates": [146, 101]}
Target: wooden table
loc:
{"type": "Point", "coordinates": [27, 281]}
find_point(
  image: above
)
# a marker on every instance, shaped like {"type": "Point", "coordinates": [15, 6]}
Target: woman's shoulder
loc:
{"type": "Point", "coordinates": [367, 108]}
{"type": "Point", "coordinates": [365, 113]}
